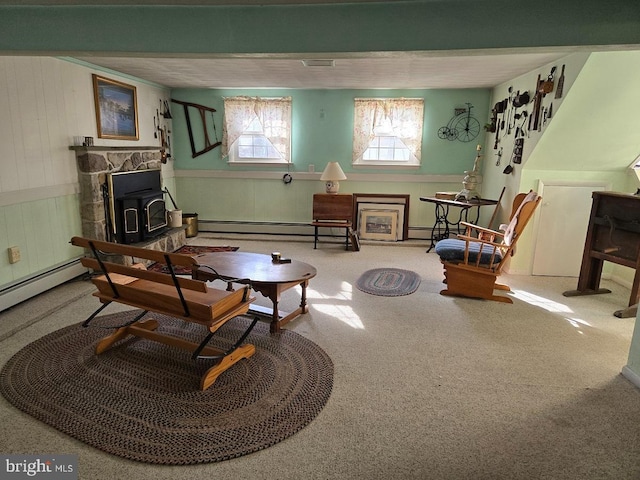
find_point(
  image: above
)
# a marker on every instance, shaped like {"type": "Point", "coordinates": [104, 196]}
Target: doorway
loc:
{"type": "Point", "coordinates": [562, 227]}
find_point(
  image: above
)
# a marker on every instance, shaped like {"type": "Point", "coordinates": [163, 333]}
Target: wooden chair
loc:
{"type": "Point", "coordinates": [473, 261]}
{"type": "Point", "coordinates": [332, 211]}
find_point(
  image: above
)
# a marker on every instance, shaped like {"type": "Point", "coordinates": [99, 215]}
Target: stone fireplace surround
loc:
{"type": "Point", "coordinates": [94, 164]}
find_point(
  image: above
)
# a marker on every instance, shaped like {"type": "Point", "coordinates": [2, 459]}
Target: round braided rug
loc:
{"type": "Point", "coordinates": [141, 400]}
{"type": "Point", "coordinates": [388, 282]}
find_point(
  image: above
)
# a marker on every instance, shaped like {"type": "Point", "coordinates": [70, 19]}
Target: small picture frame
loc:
{"type": "Point", "coordinates": [378, 225]}
{"type": "Point", "coordinates": [116, 109]}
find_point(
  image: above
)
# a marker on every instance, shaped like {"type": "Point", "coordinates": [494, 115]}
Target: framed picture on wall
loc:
{"type": "Point", "coordinates": [116, 109]}
{"type": "Point", "coordinates": [378, 224]}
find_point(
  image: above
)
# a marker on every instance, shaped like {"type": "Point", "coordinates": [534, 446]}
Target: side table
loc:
{"type": "Point", "coordinates": [441, 228]}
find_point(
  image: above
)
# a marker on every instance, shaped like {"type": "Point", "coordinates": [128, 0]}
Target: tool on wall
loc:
{"type": "Point", "coordinates": [500, 108]}
{"type": "Point", "coordinates": [518, 146]}
{"type": "Point", "coordinates": [519, 100]}
{"type": "Point", "coordinates": [515, 102]}
{"type": "Point", "coordinates": [543, 87]}
{"type": "Point", "coordinates": [164, 106]}
{"type": "Point", "coordinates": [202, 110]}
{"type": "Point", "coordinates": [560, 87]}
{"type": "Point", "coordinates": [521, 129]}
{"type": "Point", "coordinates": [492, 125]}
{"type": "Point", "coordinates": [165, 143]}
{"type": "Point", "coordinates": [537, 100]}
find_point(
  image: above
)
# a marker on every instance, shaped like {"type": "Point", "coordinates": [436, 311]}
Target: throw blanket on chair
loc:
{"type": "Point", "coordinates": [510, 229]}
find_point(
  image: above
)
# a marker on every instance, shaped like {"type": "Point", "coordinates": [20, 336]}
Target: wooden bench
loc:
{"type": "Point", "coordinates": [168, 294]}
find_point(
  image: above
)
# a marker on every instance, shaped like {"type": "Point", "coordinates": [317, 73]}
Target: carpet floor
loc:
{"type": "Point", "coordinates": [425, 386]}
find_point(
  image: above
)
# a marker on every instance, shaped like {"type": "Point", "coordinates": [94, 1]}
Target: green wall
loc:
{"type": "Point", "coordinates": [593, 135]}
{"type": "Point", "coordinates": [322, 131]}
{"type": "Point", "coordinates": [322, 128]}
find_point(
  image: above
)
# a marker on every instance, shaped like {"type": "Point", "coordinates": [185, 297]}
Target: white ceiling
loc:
{"type": "Point", "coordinates": [399, 70]}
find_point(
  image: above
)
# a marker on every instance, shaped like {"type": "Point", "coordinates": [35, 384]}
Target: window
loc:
{"type": "Point", "coordinates": [257, 130]}
{"type": "Point", "coordinates": [388, 131]}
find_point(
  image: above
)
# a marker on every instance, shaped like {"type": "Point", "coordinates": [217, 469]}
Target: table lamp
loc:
{"type": "Point", "coordinates": [331, 176]}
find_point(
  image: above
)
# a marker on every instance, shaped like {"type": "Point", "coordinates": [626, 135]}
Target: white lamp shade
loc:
{"type": "Point", "coordinates": [333, 172]}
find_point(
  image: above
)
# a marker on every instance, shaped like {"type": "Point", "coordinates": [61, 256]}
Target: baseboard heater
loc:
{"type": "Point", "coordinates": [29, 287]}
{"type": "Point", "coordinates": [284, 228]}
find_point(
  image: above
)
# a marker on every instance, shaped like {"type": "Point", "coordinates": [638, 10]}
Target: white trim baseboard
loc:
{"type": "Point", "coordinates": [630, 375]}
{"type": "Point", "coordinates": [31, 286]}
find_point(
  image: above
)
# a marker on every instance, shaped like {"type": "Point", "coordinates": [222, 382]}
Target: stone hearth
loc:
{"type": "Point", "coordinates": [94, 164]}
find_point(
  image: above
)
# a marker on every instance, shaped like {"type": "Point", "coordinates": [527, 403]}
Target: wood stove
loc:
{"type": "Point", "coordinates": [137, 210]}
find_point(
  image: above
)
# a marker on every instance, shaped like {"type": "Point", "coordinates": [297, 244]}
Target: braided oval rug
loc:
{"type": "Point", "coordinates": [388, 282]}
{"type": "Point", "coordinates": [141, 400]}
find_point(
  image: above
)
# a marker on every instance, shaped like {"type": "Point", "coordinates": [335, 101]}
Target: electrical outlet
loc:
{"type": "Point", "coordinates": [14, 254]}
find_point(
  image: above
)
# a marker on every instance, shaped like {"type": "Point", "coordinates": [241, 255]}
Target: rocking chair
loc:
{"type": "Point", "coordinates": [472, 264]}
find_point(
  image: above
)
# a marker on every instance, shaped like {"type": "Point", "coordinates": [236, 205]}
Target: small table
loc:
{"type": "Point", "coordinates": [441, 226]}
{"type": "Point", "coordinates": [266, 276]}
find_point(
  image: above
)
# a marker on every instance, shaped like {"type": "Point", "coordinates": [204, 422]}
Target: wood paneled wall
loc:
{"type": "Point", "coordinates": [44, 103]}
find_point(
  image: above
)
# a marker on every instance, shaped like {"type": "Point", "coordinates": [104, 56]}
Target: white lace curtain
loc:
{"type": "Point", "coordinates": [404, 115]}
{"type": "Point", "coordinates": [274, 115]}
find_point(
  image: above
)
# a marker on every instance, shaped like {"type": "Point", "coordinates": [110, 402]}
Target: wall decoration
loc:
{"type": "Point", "coordinates": [462, 126]}
{"type": "Point", "coordinates": [518, 146]}
{"type": "Point", "coordinates": [521, 128]}
{"type": "Point", "coordinates": [560, 87]}
{"type": "Point", "coordinates": [159, 125]}
{"type": "Point", "coordinates": [513, 120]}
{"type": "Point", "coordinates": [116, 109]}
{"type": "Point", "coordinates": [543, 87]}
{"type": "Point", "coordinates": [498, 109]}
{"type": "Point", "coordinates": [202, 111]}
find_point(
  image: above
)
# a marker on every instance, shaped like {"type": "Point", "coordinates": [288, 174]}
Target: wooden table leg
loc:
{"type": "Point", "coordinates": [303, 299]}
{"type": "Point", "coordinates": [273, 292]}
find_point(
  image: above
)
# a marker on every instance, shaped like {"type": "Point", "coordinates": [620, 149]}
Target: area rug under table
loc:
{"type": "Point", "coordinates": [190, 250]}
{"type": "Point", "coordinates": [141, 400]}
{"type": "Point", "coordinates": [388, 282]}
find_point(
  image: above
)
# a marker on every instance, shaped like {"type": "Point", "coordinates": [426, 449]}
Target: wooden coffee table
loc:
{"type": "Point", "coordinates": [267, 277]}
